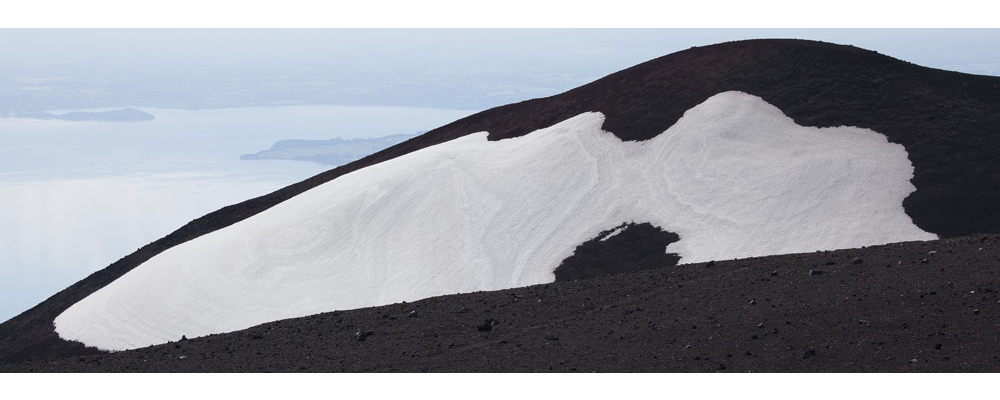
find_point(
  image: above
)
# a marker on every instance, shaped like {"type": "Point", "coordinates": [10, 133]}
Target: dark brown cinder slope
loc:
{"type": "Point", "coordinates": [911, 307]}
{"type": "Point", "coordinates": [949, 123]}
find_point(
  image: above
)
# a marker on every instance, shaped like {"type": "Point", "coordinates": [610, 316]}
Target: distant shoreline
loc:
{"type": "Point", "coordinates": [119, 115]}
{"type": "Point", "coordinates": [333, 152]}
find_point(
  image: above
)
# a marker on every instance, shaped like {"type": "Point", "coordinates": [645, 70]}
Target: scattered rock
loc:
{"type": "Point", "coordinates": [412, 314]}
{"type": "Point", "coordinates": [808, 353]}
{"type": "Point", "coordinates": [552, 337]}
{"type": "Point", "coordinates": [361, 336]}
{"type": "Point", "coordinates": [487, 325]}
{"type": "Point", "coordinates": [814, 272]}
{"type": "Point", "coordinates": [923, 261]}
{"type": "Point", "coordinates": [857, 261]}
{"type": "Point", "coordinates": [938, 346]}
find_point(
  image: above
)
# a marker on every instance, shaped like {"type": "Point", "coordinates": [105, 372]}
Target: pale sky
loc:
{"type": "Point", "coordinates": [442, 68]}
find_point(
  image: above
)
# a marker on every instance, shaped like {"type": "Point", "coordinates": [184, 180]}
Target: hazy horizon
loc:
{"type": "Point", "coordinates": [439, 68]}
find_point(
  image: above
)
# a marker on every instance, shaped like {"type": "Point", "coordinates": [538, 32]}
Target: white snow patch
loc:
{"type": "Point", "coordinates": [734, 178]}
{"type": "Point", "coordinates": [613, 233]}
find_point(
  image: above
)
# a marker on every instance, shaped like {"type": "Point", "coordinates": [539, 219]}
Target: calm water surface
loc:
{"type": "Point", "coordinates": [76, 196]}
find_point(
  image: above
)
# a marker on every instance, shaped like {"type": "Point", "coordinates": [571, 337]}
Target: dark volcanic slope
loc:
{"type": "Point", "coordinates": [913, 307]}
{"type": "Point", "coordinates": [949, 123]}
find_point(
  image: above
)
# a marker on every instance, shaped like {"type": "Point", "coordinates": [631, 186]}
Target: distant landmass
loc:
{"type": "Point", "coordinates": [328, 152]}
{"type": "Point", "coordinates": [123, 114]}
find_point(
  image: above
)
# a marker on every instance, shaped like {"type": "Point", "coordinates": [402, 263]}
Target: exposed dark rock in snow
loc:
{"type": "Point", "coordinates": [629, 247]}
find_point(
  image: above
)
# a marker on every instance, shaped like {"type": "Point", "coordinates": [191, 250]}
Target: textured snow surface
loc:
{"type": "Point", "coordinates": [734, 178]}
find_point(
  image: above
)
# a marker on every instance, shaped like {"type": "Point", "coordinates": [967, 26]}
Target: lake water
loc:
{"type": "Point", "coordinates": [76, 196]}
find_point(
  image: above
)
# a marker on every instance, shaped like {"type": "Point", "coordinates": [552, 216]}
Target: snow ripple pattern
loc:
{"type": "Point", "coordinates": [734, 178]}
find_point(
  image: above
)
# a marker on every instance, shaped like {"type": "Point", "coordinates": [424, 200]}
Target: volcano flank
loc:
{"type": "Point", "coordinates": [852, 195]}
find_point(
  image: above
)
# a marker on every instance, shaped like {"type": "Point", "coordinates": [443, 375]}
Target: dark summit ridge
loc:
{"type": "Point", "coordinates": [948, 122]}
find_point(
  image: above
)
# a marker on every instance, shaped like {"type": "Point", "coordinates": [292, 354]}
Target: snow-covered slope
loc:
{"type": "Point", "coordinates": [734, 178]}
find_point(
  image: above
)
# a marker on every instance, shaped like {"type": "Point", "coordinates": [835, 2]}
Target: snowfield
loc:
{"type": "Point", "coordinates": [734, 177]}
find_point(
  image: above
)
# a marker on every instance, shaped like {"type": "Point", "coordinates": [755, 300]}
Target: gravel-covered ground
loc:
{"type": "Point", "coordinates": [910, 307]}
